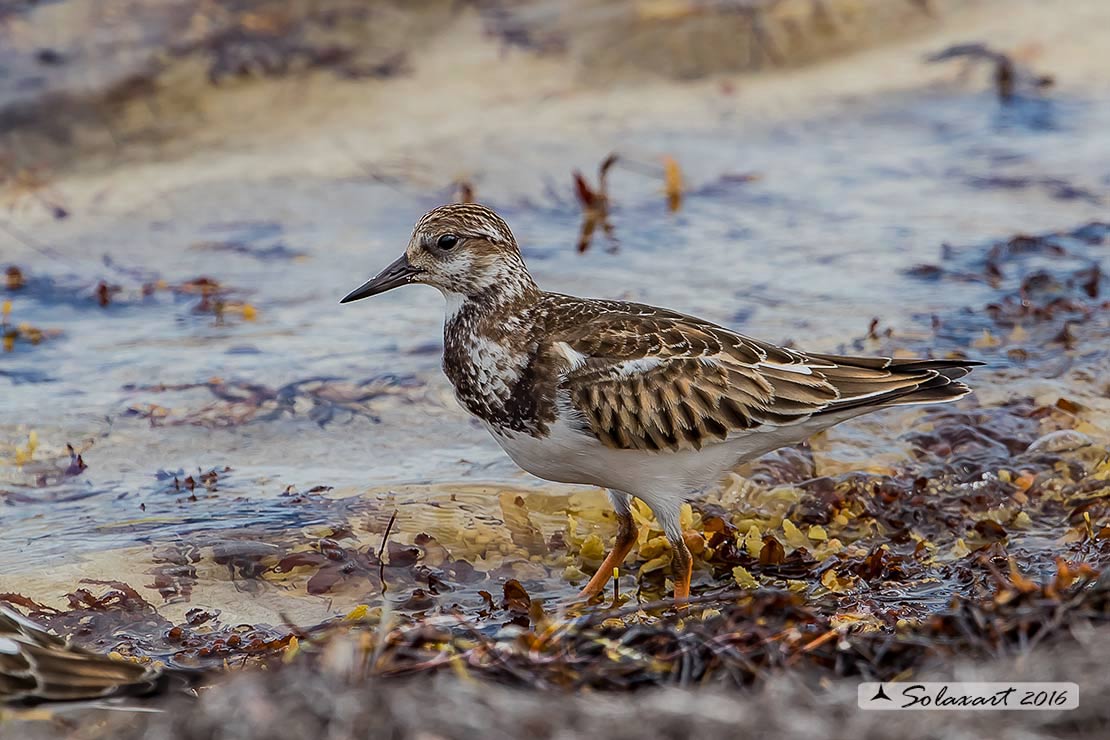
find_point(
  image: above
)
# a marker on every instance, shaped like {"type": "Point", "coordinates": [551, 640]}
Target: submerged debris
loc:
{"type": "Point", "coordinates": [42, 464]}
{"type": "Point", "coordinates": [205, 295]}
{"type": "Point", "coordinates": [1056, 187]}
{"type": "Point", "coordinates": [320, 399]}
{"type": "Point", "coordinates": [244, 239]}
{"type": "Point", "coordinates": [1008, 75]}
{"type": "Point", "coordinates": [1047, 289]}
{"type": "Point", "coordinates": [13, 278]}
{"type": "Point", "coordinates": [11, 333]}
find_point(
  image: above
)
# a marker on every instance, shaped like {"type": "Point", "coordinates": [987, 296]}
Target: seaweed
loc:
{"type": "Point", "coordinates": [849, 575]}
{"type": "Point", "coordinates": [1049, 292]}
{"type": "Point", "coordinates": [595, 206]}
{"type": "Point", "coordinates": [320, 399]}
{"type": "Point", "coordinates": [731, 637]}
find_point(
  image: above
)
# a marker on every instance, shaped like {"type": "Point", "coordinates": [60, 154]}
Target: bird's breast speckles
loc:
{"type": "Point", "coordinates": [496, 370]}
{"type": "Point", "coordinates": [494, 367]}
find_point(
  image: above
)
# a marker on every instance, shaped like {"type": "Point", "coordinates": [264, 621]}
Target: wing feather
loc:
{"type": "Point", "coordinates": [648, 379]}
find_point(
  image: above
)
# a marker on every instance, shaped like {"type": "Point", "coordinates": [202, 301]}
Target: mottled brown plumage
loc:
{"type": "Point", "coordinates": [660, 381]}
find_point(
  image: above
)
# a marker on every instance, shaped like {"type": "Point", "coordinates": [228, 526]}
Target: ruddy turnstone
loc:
{"type": "Point", "coordinates": [38, 666]}
{"type": "Point", "coordinates": [645, 402]}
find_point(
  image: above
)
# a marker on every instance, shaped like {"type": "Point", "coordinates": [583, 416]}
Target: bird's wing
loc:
{"type": "Point", "coordinates": [647, 379]}
{"type": "Point", "coordinates": [38, 666]}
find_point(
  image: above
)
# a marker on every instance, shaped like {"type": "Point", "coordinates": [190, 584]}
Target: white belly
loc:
{"type": "Point", "coordinates": [567, 455]}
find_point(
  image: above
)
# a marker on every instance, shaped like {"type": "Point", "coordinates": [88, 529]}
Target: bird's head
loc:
{"type": "Point", "coordinates": [465, 250]}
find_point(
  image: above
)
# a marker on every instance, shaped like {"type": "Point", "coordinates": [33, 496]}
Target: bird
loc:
{"type": "Point", "coordinates": [37, 666]}
{"type": "Point", "coordinates": [645, 402]}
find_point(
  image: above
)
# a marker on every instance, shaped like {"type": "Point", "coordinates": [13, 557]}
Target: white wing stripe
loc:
{"type": "Point", "coordinates": [574, 357]}
{"type": "Point", "coordinates": [799, 369]}
{"type": "Point", "coordinates": [638, 366]}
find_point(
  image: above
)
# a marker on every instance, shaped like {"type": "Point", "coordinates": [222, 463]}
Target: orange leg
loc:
{"type": "Point", "coordinates": [626, 538]}
{"type": "Point", "coordinates": [682, 562]}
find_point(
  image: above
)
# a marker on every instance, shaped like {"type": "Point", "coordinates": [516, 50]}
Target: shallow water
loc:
{"type": "Point", "coordinates": [283, 390]}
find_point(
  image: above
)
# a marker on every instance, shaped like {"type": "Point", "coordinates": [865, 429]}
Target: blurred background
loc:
{"type": "Point", "coordinates": [187, 187]}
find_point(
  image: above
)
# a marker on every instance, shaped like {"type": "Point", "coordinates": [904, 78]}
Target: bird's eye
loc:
{"type": "Point", "coordinates": [447, 241]}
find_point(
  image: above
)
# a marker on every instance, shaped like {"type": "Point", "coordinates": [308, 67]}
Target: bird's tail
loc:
{"type": "Point", "coordinates": [903, 383]}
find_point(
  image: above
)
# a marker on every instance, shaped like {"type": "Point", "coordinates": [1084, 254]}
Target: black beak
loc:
{"type": "Point", "coordinates": [397, 274]}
